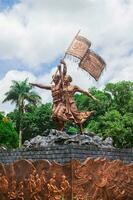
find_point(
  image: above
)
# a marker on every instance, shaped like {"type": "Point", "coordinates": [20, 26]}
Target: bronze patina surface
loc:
{"type": "Point", "coordinates": [79, 47]}
{"type": "Point", "coordinates": [64, 106]}
{"type": "Point", "coordinates": [93, 64]}
{"type": "Point", "coordinates": [94, 179]}
{"type": "Point", "coordinates": [89, 60]}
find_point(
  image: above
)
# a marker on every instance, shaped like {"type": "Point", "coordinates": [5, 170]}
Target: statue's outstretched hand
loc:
{"type": "Point", "coordinates": [33, 84]}
{"type": "Point", "coordinates": [59, 67]}
{"type": "Point", "coordinates": [94, 98]}
{"type": "Point", "coordinates": [62, 62]}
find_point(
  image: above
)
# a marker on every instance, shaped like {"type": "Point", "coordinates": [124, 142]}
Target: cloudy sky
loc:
{"type": "Point", "coordinates": [34, 35]}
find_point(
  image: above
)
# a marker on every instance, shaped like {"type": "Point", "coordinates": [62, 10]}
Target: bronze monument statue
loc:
{"type": "Point", "coordinates": [58, 105]}
{"type": "Point", "coordinates": [64, 106]}
{"type": "Point", "coordinates": [92, 179]}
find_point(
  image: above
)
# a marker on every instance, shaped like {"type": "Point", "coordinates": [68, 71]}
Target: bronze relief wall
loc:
{"type": "Point", "coordinates": [95, 178]}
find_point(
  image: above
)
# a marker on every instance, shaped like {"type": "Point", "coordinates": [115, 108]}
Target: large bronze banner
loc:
{"type": "Point", "coordinates": [89, 60]}
{"type": "Point", "coordinates": [93, 64]}
{"type": "Point", "coordinates": [79, 47]}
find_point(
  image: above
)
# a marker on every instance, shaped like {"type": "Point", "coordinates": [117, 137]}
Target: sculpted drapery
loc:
{"type": "Point", "coordinates": [64, 106]}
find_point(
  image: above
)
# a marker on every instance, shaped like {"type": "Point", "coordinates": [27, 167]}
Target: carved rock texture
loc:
{"type": "Point", "coordinates": [54, 137]}
{"type": "Point", "coordinates": [94, 179]}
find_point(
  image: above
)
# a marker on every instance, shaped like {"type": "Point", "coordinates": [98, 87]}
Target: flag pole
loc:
{"type": "Point", "coordinates": [71, 43]}
{"type": "Point", "coordinates": [66, 53]}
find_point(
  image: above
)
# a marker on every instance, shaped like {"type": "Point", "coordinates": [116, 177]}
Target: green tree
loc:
{"type": "Point", "coordinates": [37, 120]}
{"type": "Point", "coordinates": [113, 113]}
{"type": "Point", "coordinates": [114, 125]}
{"type": "Point", "coordinates": [20, 93]}
{"type": "Point", "coordinates": [121, 95]}
{"type": "Point", "coordinates": [8, 135]}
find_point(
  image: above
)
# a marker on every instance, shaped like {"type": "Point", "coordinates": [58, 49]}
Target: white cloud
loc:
{"type": "Point", "coordinates": [40, 31]}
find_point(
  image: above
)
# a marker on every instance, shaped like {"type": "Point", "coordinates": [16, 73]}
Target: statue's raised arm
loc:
{"type": "Point", "coordinates": [64, 67]}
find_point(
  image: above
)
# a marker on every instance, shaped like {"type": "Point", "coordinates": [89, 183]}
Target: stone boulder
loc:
{"type": "Point", "coordinates": [54, 137]}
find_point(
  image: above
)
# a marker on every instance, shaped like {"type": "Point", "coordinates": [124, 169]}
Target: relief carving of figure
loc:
{"type": "Point", "coordinates": [43, 180]}
{"type": "Point", "coordinates": [54, 192]}
{"type": "Point", "coordinates": [3, 185]}
{"type": "Point", "coordinates": [20, 195]}
{"type": "Point", "coordinates": [31, 182]}
{"type": "Point", "coordinates": [34, 186]}
{"type": "Point", "coordinates": [65, 186]}
{"type": "Point", "coordinates": [12, 194]}
{"type": "Point", "coordinates": [38, 188]}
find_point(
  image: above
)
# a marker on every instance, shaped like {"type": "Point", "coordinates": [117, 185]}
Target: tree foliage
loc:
{"type": "Point", "coordinates": [113, 114]}
{"type": "Point", "coordinates": [121, 95]}
{"type": "Point", "coordinates": [8, 135]}
{"type": "Point", "coordinates": [37, 120]}
{"type": "Point", "coordinates": [20, 93]}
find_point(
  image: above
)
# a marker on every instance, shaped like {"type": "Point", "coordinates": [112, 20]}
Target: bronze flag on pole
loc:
{"type": "Point", "coordinates": [79, 47]}
{"type": "Point", "coordinates": [93, 64]}
{"type": "Point", "coordinates": [89, 60]}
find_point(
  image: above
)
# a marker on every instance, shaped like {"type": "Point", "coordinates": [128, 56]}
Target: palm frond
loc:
{"type": "Point", "coordinates": [21, 91]}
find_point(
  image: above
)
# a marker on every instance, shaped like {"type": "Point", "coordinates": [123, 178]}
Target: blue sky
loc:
{"type": "Point", "coordinates": [16, 64]}
{"type": "Point", "coordinates": [35, 33]}
{"type": "Point", "coordinates": [7, 4]}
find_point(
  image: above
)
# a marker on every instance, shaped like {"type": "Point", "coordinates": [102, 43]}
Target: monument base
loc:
{"type": "Point", "coordinates": [58, 166]}
{"type": "Point", "coordinates": [93, 179]}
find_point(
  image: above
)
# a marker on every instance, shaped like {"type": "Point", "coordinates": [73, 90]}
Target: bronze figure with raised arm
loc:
{"type": "Point", "coordinates": [72, 112]}
{"type": "Point", "coordinates": [64, 106]}
{"type": "Point", "coordinates": [59, 109]}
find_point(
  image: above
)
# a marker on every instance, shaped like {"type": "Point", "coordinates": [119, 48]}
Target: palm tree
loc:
{"type": "Point", "coordinates": [20, 93]}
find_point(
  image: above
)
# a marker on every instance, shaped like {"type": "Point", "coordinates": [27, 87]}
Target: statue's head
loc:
{"type": "Point", "coordinates": [37, 176]}
{"type": "Point", "coordinates": [14, 183]}
{"type": "Point", "coordinates": [56, 78]}
{"type": "Point", "coordinates": [67, 79]}
{"type": "Point", "coordinates": [34, 172]}
{"type": "Point", "coordinates": [54, 175]}
{"type": "Point", "coordinates": [21, 184]}
{"type": "Point", "coordinates": [63, 177]}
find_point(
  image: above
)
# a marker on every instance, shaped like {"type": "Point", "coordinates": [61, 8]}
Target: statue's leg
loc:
{"type": "Point", "coordinates": [81, 128]}
{"type": "Point", "coordinates": [60, 125]}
